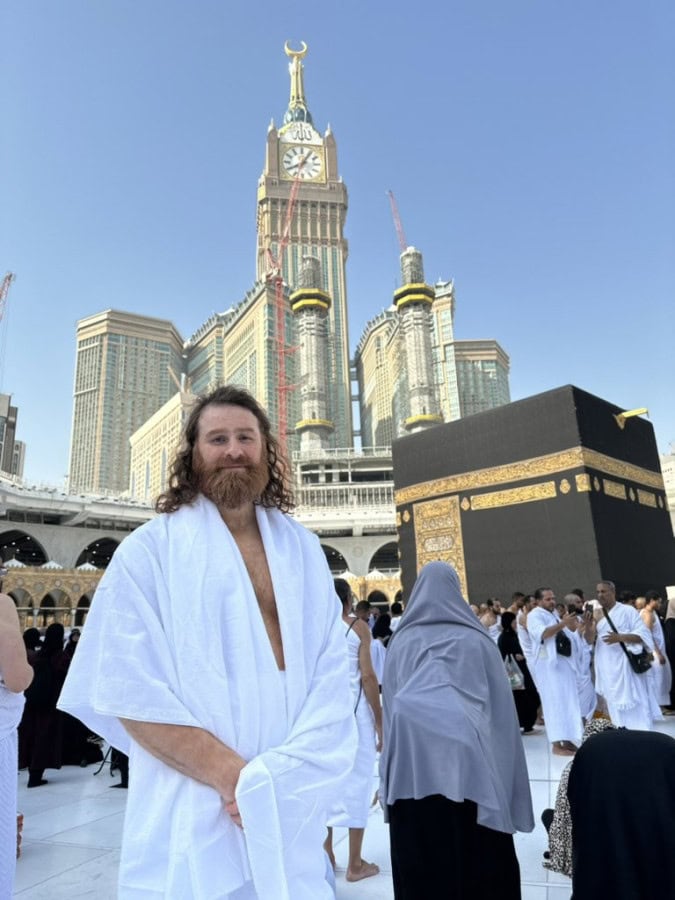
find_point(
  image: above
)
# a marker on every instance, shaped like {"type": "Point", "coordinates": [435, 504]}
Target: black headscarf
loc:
{"type": "Point", "coordinates": [31, 638]}
{"type": "Point", "coordinates": [622, 796]}
{"type": "Point", "coordinates": [381, 628]}
{"type": "Point", "coordinates": [507, 641]}
{"type": "Point", "coordinates": [53, 642]}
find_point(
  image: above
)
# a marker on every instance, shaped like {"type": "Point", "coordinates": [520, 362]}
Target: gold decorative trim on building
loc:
{"type": "Point", "coordinates": [565, 487]}
{"type": "Point", "coordinates": [305, 304]}
{"type": "Point", "coordinates": [536, 467]}
{"type": "Point", "coordinates": [438, 535]}
{"type": "Point", "coordinates": [465, 504]}
{"type": "Point", "coordinates": [314, 423]}
{"type": "Point", "coordinates": [417, 291]}
{"type": "Point", "coordinates": [406, 515]}
{"type": "Point", "coordinates": [583, 482]}
{"type": "Point", "coordinates": [596, 483]}
{"type": "Point", "coordinates": [614, 489]}
{"type": "Point", "coordinates": [646, 498]}
{"type": "Point", "coordinates": [610, 466]}
{"type": "Point", "coordinates": [527, 494]}
{"type": "Point", "coordinates": [423, 417]}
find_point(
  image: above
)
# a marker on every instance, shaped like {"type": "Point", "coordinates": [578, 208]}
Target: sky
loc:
{"type": "Point", "coordinates": [530, 146]}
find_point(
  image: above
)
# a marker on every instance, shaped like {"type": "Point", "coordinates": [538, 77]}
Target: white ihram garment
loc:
{"type": "Point", "coordinates": [555, 677]}
{"type": "Point", "coordinates": [11, 707]}
{"type": "Point", "coordinates": [526, 645]}
{"type": "Point", "coordinates": [581, 659]}
{"type": "Point", "coordinates": [357, 792]}
{"type": "Point", "coordinates": [175, 635]}
{"type": "Point", "coordinates": [660, 674]}
{"type": "Point", "coordinates": [625, 692]}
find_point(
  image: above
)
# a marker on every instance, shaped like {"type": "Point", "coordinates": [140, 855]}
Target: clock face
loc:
{"type": "Point", "coordinates": [302, 161]}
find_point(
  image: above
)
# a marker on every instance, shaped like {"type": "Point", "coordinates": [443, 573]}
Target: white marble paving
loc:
{"type": "Point", "coordinates": [73, 827]}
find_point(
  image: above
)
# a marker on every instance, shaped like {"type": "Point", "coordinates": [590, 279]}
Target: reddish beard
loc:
{"type": "Point", "coordinates": [231, 488]}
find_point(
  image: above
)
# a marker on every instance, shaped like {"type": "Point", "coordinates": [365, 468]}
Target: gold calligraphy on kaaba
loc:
{"type": "Point", "coordinates": [614, 489]}
{"type": "Point", "coordinates": [438, 535]}
{"type": "Point", "coordinates": [537, 467]}
{"type": "Point", "coordinates": [583, 482]}
{"type": "Point", "coordinates": [527, 494]}
{"type": "Point", "coordinates": [646, 498]}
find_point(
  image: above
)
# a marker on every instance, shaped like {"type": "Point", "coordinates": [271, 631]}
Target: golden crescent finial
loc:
{"type": "Point", "coordinates": [298, 54]}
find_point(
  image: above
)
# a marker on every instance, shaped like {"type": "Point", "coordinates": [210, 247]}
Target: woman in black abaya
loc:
{"type": "Point", "coordinates": [621, 793]}
{"type": "Point", "coordinates": [526, 700]}
{"type": "Point", "coordinates": [453, 776]}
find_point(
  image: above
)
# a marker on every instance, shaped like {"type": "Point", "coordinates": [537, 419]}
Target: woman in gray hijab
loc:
{"type": "Point", "coordinates": [454, 781]}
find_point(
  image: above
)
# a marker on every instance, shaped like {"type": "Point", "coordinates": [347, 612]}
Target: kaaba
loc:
{"type": "Point", "coordinates": [557, 490]}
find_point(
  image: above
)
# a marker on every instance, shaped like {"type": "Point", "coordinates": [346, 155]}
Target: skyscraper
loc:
{"type": "Point", "coordinates": [122, 376]}
{"type": "Point", "coordinates": [297, 149]}
{"type": "Point", "coordinates": [406, 361]}
{"type": "Point", "coordinates": [12, 452]}
{"type": "Point", "coordinates": [482, 376]}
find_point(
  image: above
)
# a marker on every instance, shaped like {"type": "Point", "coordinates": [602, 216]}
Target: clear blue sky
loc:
{"type": "Point", "coordinates": [530, 144]}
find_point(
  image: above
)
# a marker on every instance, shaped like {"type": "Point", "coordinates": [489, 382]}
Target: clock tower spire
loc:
{"type": "Point", "coordinates": [297, 105]}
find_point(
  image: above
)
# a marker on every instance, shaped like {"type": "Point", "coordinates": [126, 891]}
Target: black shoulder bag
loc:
{"type": "Point", "coordinates": [639, 662]}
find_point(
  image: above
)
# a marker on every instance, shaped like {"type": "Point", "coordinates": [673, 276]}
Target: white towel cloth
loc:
{"type": "Point", "coordinates": [11, 707]}
{"type": "Point", "coordinates": [625, 692]}
{"type": "Point", "coordinates": [175, 635]}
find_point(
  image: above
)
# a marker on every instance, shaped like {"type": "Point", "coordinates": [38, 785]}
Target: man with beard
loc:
{"type": "Point", "coordinates": [214, 657]}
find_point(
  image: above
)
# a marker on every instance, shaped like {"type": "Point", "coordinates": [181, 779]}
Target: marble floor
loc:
{"type": "Point", "coordinates": [73, 826]}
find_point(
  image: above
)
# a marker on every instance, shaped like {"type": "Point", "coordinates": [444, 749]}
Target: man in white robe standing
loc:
{"type": "Point", "coordinates": [555, 674]}
{"type": "Point", "coordinates": [626, 692]}
{"type": "Point", "coordinates": [214, 657]}
{"type": "Point", "coordinates": [660, 674]}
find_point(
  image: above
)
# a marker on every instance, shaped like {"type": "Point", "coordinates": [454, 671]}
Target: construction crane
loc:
{"type": "Point", "coordinates": [402, 243]}
{"type": "Point", "coordinates": [275, 277]}
{"type": "Point", "coordinates": [4, 290]}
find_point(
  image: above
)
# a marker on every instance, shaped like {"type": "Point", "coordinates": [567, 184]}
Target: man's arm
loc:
{"type": "Point", "coordinates": [627, 638]}
{"type": "Point", "coordinates": [193, 752]}
{"type": "Point", "coordinates": [16, 671]}
{"type": "Point", "coordinates": [568, 621]}
{"type": "Point", "coordinates": [368, 678]}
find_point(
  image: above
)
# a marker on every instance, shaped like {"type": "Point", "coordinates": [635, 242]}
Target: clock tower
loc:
{"type": "Point", "coordinates": [297, 149]}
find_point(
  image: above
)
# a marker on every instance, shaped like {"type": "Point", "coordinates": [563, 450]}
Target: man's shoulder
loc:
{"type": "Point", "coordinates": [150, 534]}
{"type": "Point", "coordinates": [291, 522]}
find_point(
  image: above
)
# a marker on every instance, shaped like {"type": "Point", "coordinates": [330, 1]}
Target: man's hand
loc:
{"type": "Point", "coordinates": [613, 638]}
{"type": "Point", "coordinates": [233, 812]}
{"type": "Point", "coordinates": [570, 621]}
{"type": "Point", "coordinates": [378, 733]}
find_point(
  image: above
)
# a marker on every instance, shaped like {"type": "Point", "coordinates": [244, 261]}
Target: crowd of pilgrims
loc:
{"type": "Point", "coordinates": [50, 738]}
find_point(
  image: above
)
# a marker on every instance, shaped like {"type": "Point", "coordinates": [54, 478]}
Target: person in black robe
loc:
{"type": "Point", "coordinates": [621, 793]}
{"type": "Point", "coordinates": [40, 731]}
{"type": "Point", "coordinates": [527, 700]}
{"type": "Point", "coordinates": [80, 745]}
{"type": "Point", "coordinates": [453, 775]}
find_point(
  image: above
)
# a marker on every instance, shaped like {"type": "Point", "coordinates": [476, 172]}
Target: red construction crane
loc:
{"type": "Point", "coordinates": [403, 244]}
{"type": "Point", "coordinates": [275, 276]}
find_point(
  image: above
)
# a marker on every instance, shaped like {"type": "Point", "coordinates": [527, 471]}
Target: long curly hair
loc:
{"type": "Point", "coordinates": [184, 480]}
